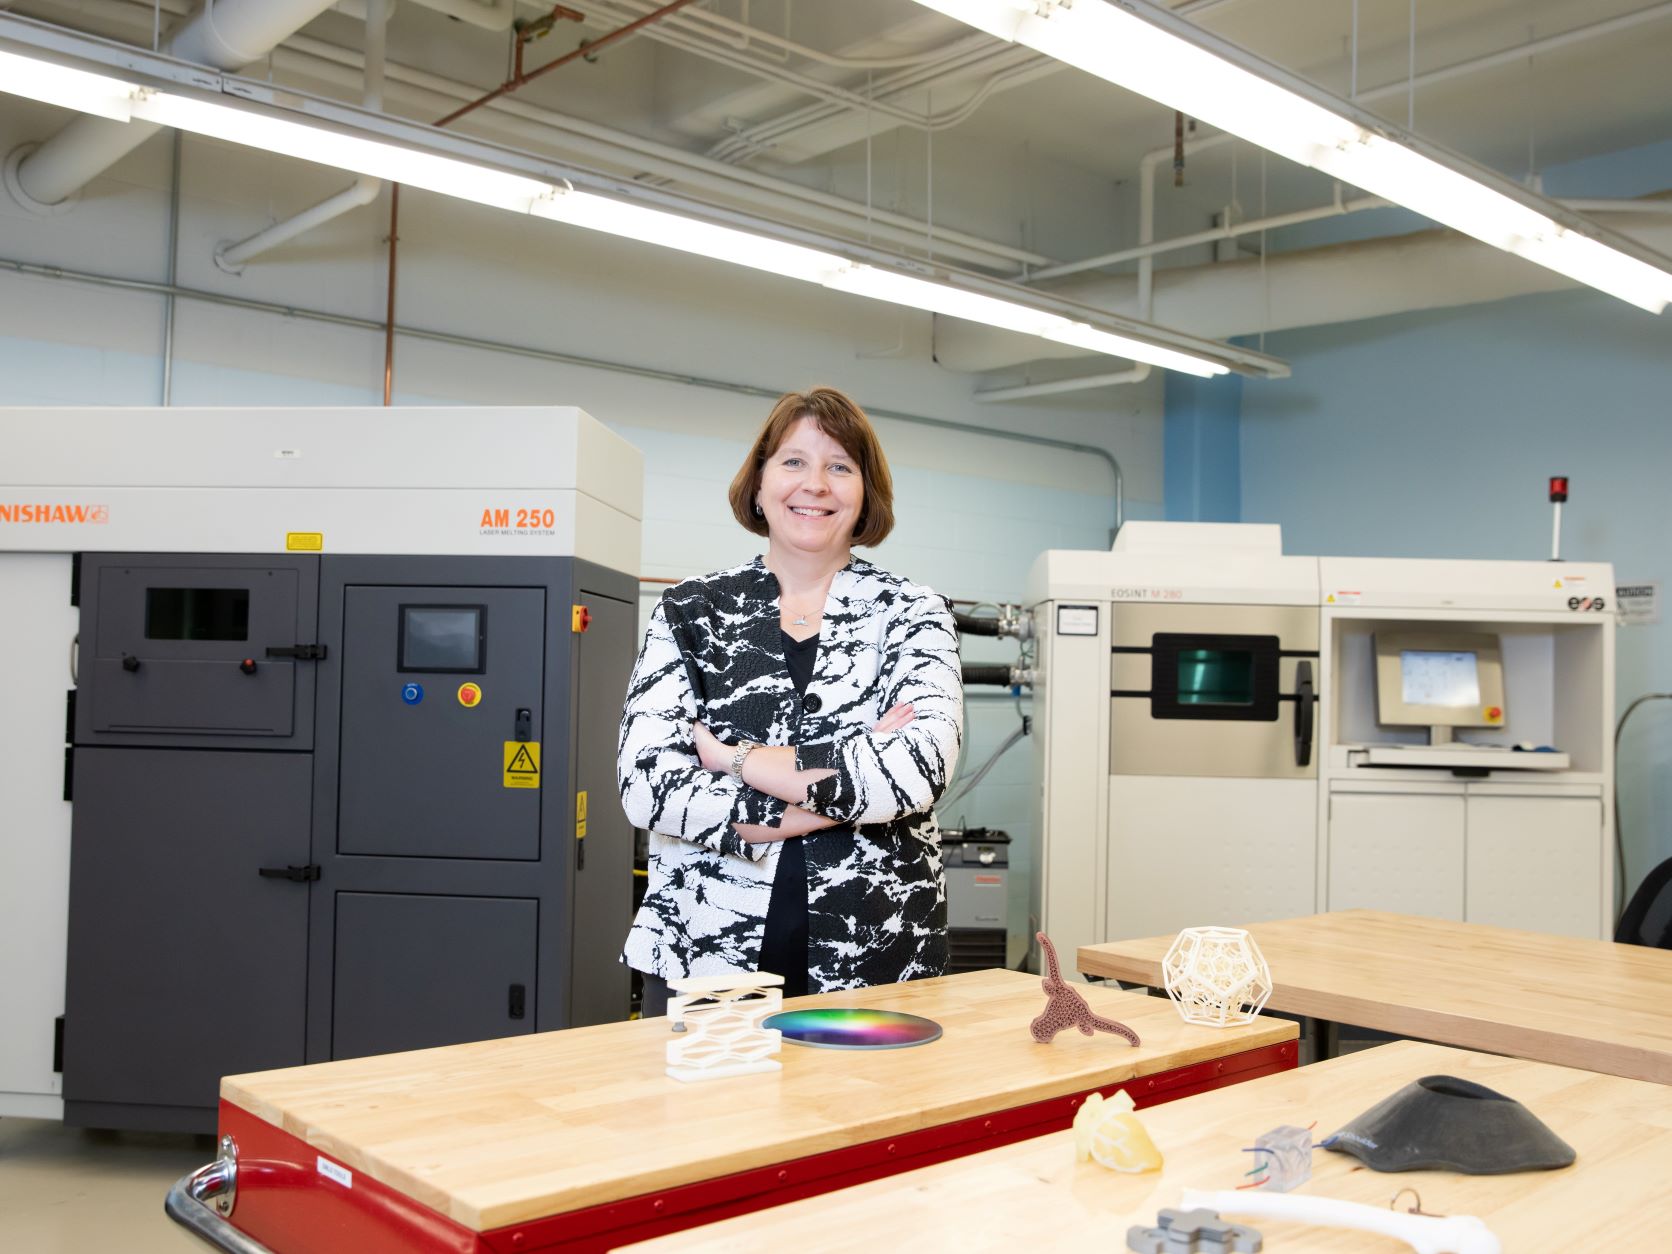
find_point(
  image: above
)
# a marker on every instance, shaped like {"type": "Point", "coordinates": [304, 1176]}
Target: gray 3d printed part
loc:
{"type": "Point", "coordinates": [1441, 1122]}
{"type": "Point", "coordinates": [1193, 1232]}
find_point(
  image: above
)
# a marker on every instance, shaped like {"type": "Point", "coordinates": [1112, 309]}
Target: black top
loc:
{"type": "Point", "coordinates": [784, 947]}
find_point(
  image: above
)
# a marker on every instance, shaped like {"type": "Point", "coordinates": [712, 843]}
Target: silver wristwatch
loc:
{"type": "Point", "coordinates": [744, 748]}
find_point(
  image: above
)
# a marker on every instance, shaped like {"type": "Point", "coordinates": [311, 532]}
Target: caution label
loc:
{"type": "Point", "coordinates": [522, 764]}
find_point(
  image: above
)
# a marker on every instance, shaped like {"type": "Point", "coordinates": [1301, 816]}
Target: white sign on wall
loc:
{"type": "Point", "coordinates": [1637, 604]}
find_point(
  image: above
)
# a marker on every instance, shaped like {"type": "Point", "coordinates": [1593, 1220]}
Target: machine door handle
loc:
{"type": "Point", "coordinates": [130, 663]}
{"type": "Point", "coordinates": [295, 874]}
{"type": "Point", "coordinates": [301, 652]}
{"type": "Point", "coordinates": [524, 725]}
{"type": "Point", "coordinates": [1306, 702]}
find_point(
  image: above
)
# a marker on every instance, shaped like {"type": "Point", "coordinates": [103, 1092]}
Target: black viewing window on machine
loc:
{"type": "Point", "coordinates": [444, 639]}
{"type": "Point", "coordinates": [1216, 677]}
{"type": "Point", "coordinates": [1224, 677]}
{"type": "Point", "coordinates": [197, 613]}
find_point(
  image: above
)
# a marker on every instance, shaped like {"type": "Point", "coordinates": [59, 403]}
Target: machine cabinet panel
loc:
{"type": "Point", "coordinates": [416, 970]}
{"type": "Point", "coordinates": [185, 964]}
{"type": "Point", "coordinates": [1398, 852]}
{"type": "Point", "coordinates": [603, 897]}
{"type": "Point", "coordinates": [179, 650]}
{"type": "Point", "coordinates": [1536, 863]}
{"type": "Point", "coordinates": [1221, 850]}
{"type": "Point", "coordinates": [435, 681]}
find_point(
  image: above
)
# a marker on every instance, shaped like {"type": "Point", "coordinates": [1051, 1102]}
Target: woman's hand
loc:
{"type": "Point", "coordinates": [895, 719]}
{"type": "Point", "coordinates": [714, 753]}
{"type": "Point", "coordinates": [796, 822]}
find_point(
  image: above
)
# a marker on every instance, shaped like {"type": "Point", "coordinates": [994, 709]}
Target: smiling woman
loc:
{"type": "Point", "coordinates": [789, 727]}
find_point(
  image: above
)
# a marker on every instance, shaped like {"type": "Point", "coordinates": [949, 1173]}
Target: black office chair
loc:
{"type": "Point", "coordinates": [1648, 916]}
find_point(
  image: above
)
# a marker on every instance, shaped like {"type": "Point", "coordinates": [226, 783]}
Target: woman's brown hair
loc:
{"type": "Point", "coordinates": [841, 420]}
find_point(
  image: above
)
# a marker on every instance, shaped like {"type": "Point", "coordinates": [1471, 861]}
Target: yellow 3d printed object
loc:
{"type": "Point", "coordinates": [1108, 1132]}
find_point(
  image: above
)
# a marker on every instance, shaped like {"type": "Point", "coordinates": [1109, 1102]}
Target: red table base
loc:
{"type": "Point", "coordinates": [290, 1203]}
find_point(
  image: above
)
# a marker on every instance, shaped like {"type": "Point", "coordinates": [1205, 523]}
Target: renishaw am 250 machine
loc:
{"type": "Point", "coordinates": [304, 711]}
{"type": "Point", "coordinates": [1225, 734]}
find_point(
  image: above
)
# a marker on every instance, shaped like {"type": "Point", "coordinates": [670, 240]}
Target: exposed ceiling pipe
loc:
{"type": "Point", "coordinates": [1437, 269]}
{"type": "Point", "coordinates": [584, 141]}
{"type": "Point", "coordinates": [488, 14]}
{"type": "Point", "coordinates": [1056, 387]}
{"type": "Point", "coordinates": [1398, 88]}
{"type": "Point", "coordinates": [226, 35]}
{"type": "Point", "coordinates": [594, 142]}
{"type": "Point", "coordinates": [1229, 230]}
{"type": "Point", "coordinates": [1237, 298]}
{"type": "Point", "coordinates": [233, 257]}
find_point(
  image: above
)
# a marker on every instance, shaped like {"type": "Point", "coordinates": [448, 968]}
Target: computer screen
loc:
{"type": "Point", "coordinates": [1434, 677]}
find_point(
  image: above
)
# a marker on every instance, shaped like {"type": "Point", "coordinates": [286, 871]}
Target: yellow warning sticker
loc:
{"type": "Point", "coordinates": [304, 541]}
{"type": "Point", "coordinates": [580, 830]}
{"type": "Point", "coordinates": [580, 806]}
{"type": "Point", "coordinates": [522, 763]}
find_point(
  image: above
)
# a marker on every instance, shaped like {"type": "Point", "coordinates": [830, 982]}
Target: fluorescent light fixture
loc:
{"type": "Point", "coordinates": [671, 230]}
{"type": "Point", "coordinates": [1156, 54]}
{"type": "Point", "coordinates": [65, 87]}
{"type": "Point", "coordinates": [341, 147]}
{"type": "Point", "coordinates": [324, 146]}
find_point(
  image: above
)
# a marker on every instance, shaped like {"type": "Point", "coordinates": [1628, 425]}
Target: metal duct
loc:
{"type": "Point", "coordinates": [226, 35]}
{"type": "Point", "coordinates": [1436, 269]}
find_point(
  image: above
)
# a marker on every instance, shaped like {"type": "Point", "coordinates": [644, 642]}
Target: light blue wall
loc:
{"type": "Point", "coordinates": [1433, 434]}
{"type": "Point", "coordinates": [1201, 456]}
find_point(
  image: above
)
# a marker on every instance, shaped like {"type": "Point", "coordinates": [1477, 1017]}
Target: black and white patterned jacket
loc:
{"type": "Point", "coordinates": [876, 895]}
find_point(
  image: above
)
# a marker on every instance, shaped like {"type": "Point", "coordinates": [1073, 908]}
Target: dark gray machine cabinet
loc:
{"type": "Point", "coordinates": [602, 658]}
{"type": "Point", "coordinates": [414, 971]}
{"type": "Point", "coordinates": [426, 845]}
{"type": "Point", "coordinates": [185, 963]}
{"type": "Point", "coordinates": [436, 681]}
{"type": "Point", "coordinates": [191, 649]}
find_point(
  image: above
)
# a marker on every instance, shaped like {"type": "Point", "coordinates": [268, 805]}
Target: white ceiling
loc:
{"type": "Point", "coordinates": [1042, 160]}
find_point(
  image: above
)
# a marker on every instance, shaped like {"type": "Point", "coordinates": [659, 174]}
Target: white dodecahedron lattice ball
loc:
{"type": "Point", "coordinates": [1216, 976]}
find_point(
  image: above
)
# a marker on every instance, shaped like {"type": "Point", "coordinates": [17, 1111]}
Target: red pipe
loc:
{"type": "Point", "coordinates": [517, 79]}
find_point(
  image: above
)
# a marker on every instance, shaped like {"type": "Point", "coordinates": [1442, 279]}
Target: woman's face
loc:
{"type": "Point", "coordinates": [811, 491]}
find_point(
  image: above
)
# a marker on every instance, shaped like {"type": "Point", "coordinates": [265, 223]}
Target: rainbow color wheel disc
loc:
{"type": "Point", "coordinates": [854, 1029]}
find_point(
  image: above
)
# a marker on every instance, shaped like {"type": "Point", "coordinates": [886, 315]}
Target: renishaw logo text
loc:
{"type": "Point", "coordinates": [53, 513]}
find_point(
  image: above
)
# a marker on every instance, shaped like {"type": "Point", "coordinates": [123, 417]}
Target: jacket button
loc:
{"type": "Point", "coordinates": [813, 704]}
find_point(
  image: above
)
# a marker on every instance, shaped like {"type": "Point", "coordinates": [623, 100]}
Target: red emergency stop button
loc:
{"type": "Point", "coordinates": [1494, 713]}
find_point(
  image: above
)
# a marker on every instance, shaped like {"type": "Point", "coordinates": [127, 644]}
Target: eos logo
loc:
{"type": "Point", "coordinates": [1582, 604]}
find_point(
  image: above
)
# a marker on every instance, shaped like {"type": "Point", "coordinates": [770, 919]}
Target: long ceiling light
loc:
{"type": "Point", "coordinates": [309, 139]}
{"type": "Point", "coordinates": [1154, 53]}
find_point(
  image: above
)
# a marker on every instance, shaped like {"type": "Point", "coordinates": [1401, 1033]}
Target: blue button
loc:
{"type": "Point", "coordinates": [412, 694]}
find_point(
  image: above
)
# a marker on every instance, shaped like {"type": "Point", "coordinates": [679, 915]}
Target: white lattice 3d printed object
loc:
{"type": "Point", "coordinates": [1216, 976]}
{"type": "Point", "coordinates": [718, 1018]}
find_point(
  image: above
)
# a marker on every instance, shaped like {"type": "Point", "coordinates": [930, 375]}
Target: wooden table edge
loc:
{"type": "Point", "coordinates": [1630, 1062]}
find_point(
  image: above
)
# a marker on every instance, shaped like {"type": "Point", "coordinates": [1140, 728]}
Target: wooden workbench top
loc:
{"type": "Point", "coordinates": [1579, 1003]}
{"type": "Point", "coordinates": [499, 1132]}
{"type": "Point", "coordinates": [1034, 1196]}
